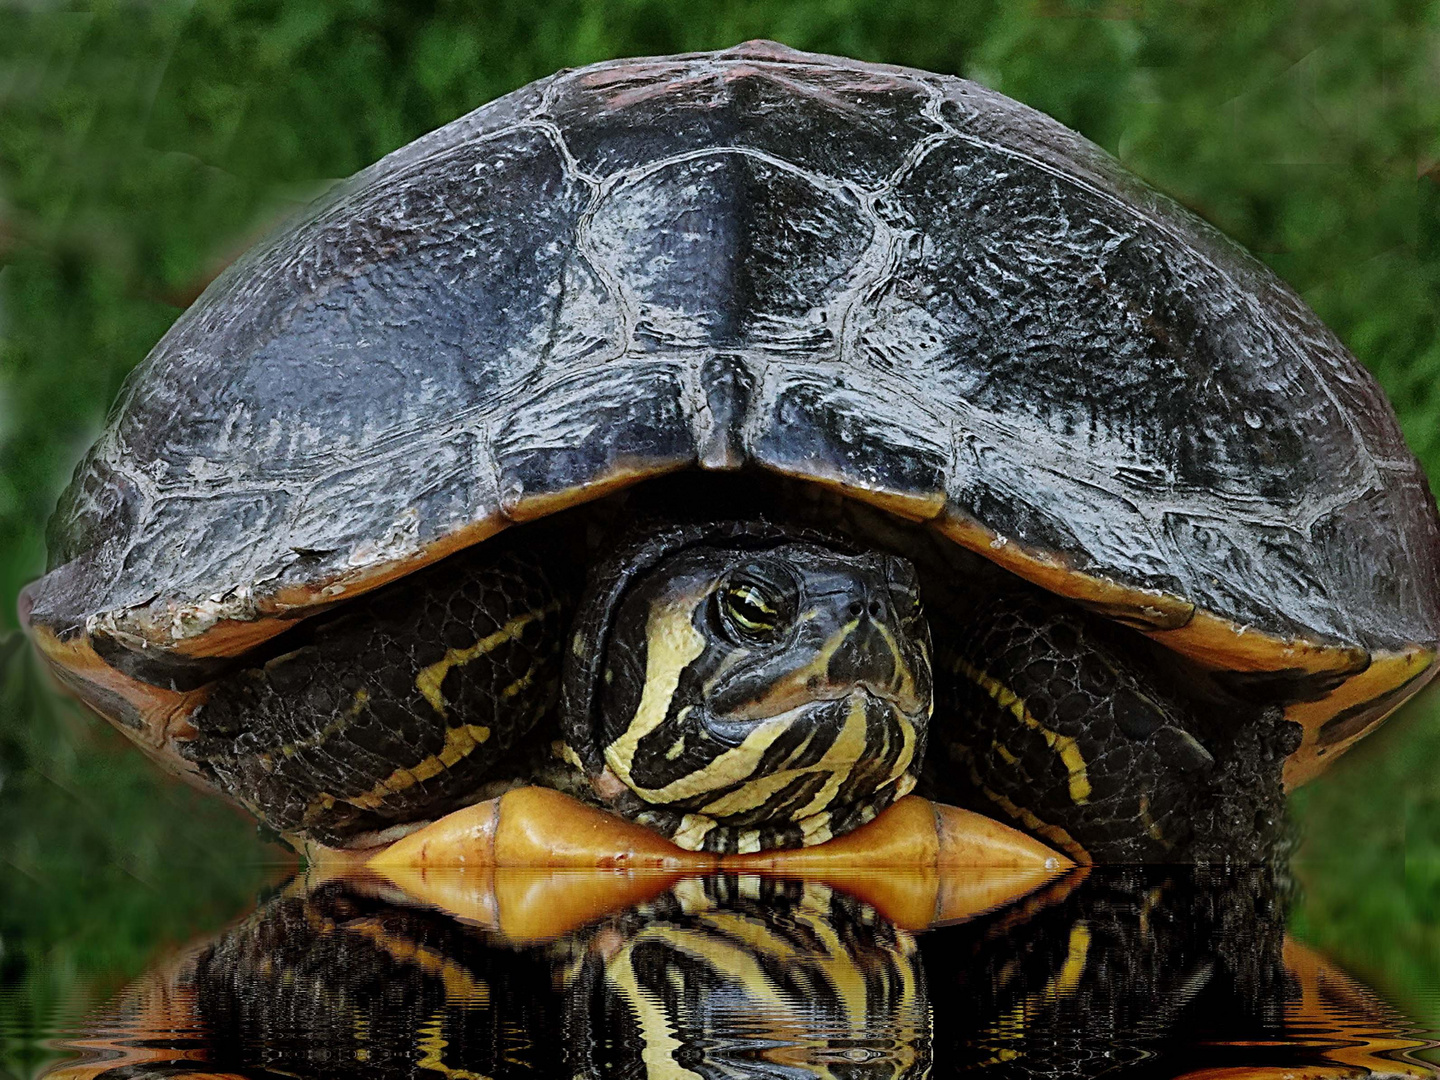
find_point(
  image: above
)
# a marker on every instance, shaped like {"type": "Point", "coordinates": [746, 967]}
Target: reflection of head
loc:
{"type": "Point", "coordinates": [748, 977]}
{"type": "Point", "coordinates": [1114, 972]}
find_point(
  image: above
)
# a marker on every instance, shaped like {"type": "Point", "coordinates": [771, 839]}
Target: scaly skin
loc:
{"type": "Point", "coordinates": [440, 691]}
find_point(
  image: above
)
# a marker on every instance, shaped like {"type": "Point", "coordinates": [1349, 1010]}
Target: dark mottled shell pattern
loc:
{"type": "Point", "coordinates": [901, 284]}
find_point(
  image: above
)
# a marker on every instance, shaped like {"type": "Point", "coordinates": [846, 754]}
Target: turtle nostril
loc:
{"type": "Point", "coordinates": [875, 609]}
{"type": "Point", "coordinates": [856, 609]}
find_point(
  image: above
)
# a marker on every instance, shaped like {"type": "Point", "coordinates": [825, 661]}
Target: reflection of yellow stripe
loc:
{"type": "Point", "coordinates": [433, 1043]}
{"type": "Point", "coordinates": [832, 958]}
{"type": "Point", "coordinates": [1064, 745]}
{"type": "Point", "coordinates": [429, 680]}
{"type": "Point", "coordinates": [1065, 983]}
{"type": "Point", "coordinates": [659, 1046]}
{"type": "Point", "coordinates": [735, 947]}
{"type": "Point", "coordinates": [461, 988]}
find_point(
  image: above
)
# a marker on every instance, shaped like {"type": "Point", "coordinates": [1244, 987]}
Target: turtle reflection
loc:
{"type": "Point", "coordinates": [741, 977]}
{"type": "Point", "coordinates": [1116, 973]}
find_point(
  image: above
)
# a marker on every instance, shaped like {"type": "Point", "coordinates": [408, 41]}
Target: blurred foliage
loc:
{"type": "Point", "coordinates": [143, 145]}
{"type": "Point", "coordinates": [1370, 860]}
{"type": "Point", "coordinates": [103, 861]}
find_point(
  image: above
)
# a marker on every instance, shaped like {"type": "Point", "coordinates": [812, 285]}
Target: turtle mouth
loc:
{"type": "Point", "coordinates": [899, 698]}
{"type": "Point", "coordinates": [794, 779]}
{"type": "Point", "coordinates": [733, 728]}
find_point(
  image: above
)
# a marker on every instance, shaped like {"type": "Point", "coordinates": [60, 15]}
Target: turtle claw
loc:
{"type": "Point", "coordinates": [540, 827]}
{"type": "Point", "coordinates": [535, 863]}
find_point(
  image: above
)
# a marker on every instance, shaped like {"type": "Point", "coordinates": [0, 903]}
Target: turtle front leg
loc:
{"type": "Point", "coordinates": [395, 709]}
{"type": "Point", "coordinates": [1066, 724]}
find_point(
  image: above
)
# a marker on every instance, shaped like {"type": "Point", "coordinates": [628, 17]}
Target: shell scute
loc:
{"type": "Point", "coordinates": [727, 250]}
{"type": "Point", "coordinates": [898, 284]}
{"type": "Point", "coordinates": [627, 115]}
{"type": "Point", "coordinates": [863, 434]}
{"type": "Point", "coordinates": [627, 418]}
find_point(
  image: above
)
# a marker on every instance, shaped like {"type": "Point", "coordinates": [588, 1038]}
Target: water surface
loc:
{"type": "Point", "coordinates": [1118, 973]}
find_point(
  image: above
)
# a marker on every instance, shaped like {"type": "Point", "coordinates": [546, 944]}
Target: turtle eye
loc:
{"type": "Point", "coordinates": [751, 610]}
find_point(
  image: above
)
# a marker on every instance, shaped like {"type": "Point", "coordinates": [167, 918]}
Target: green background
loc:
{"type": "Point", "coordinates": [142, 146]}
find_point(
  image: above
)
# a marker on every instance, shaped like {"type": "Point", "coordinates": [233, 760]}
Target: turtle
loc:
{"type": "Point", "coordinates": [739, 444]}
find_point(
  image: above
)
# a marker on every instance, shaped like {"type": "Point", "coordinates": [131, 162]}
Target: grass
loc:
{"type": "Point", "coordinates": [144, 144]}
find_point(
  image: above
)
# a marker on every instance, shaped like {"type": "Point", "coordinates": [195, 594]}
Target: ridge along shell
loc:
{"type": "Point", "coordinates": [899, 284]}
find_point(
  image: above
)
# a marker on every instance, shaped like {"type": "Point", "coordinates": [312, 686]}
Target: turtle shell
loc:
{"type": "Point", "coordinates": [902, 285]}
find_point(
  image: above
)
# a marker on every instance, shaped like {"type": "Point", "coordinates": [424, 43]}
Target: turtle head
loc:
{"type": "Point", "coordinates": [747, 688]}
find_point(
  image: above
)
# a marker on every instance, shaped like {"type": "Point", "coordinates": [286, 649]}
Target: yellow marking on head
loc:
{"type": "Point", "coordinates": [671, 645]}
{"type": "Point", "coordinates": [459, 741]}
{"type": "Point", "coordinates": [727, 662]}
{"type": "Point", "coordinates": [734, 765]}
{"type": "Point", "coordinates": [1063, 745]}
{"type": "Point", "coordinates": [839, 761]}
{"type": "Point", "coordinates": [676, 749]}
{"type": "Point", "coordinates": [907, 677]}
{"type": "Point", "coordinates": [429, 681]}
